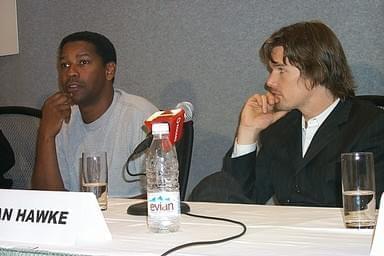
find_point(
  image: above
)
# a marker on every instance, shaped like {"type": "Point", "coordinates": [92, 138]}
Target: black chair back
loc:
{"type": "Point", "coordinates": [184, 155]}
{"type": "Point", "coordinates": [20, 125]}
{"type": "Point", "coordinates": [377, 100]}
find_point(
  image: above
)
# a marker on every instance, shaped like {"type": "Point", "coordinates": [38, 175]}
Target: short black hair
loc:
{"type": "Point", "coordinates": [104, 47]}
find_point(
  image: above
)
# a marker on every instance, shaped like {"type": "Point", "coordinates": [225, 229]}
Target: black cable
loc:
{"type": "Point", "coordinates": [138, 150]}
{"type": "Point", "coordinates": [126, 167]}
{"type": "Point", "coordinates": [211, 241]}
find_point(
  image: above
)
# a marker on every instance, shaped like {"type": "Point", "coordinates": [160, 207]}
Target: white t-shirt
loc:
{"type": "Point", "coordinates": [118, 131]}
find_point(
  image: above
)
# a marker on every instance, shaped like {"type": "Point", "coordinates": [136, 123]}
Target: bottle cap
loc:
{"type": "Point", "coordinates": [160, 128]}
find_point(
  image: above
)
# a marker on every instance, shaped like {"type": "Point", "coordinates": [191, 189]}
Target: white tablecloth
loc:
{"type": "Point", "coordinates": [272, 230]}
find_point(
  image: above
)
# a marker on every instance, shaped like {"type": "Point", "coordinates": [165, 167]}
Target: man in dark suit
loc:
{"type": "Point", "coordinates": [289, 140]}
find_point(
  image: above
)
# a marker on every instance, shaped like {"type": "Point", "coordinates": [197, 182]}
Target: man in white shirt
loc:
{"type": "Point", "coordinates": [89, 114]}
{"type": "Point", "coordinates": [289, 140]}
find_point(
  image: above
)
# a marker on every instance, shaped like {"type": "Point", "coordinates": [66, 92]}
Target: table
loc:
{"type": "Point", "coordinates": [272, 230]}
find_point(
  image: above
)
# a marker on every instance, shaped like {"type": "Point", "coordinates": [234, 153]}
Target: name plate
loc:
{"type": "Point", "coordinates": [51, 217]}
{"type": "Point", "coordinates": [377, 248]}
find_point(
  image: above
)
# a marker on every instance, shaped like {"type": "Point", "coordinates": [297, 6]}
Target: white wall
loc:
{"type": "Point", "coordinates": [9, 43]}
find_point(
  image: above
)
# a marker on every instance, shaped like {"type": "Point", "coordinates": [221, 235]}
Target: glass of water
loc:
{"type": "Point", "coordinates": [358, 182]}
{"type": "Point", "coordinates": [94, 176]}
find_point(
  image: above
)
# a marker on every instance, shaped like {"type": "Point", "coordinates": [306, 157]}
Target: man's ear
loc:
{"type": "Point", "coordinates": [110, 70]}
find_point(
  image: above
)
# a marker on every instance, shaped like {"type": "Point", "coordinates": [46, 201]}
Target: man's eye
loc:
{"type": "Point", "coordinates": [64, 65]}
{"type": "Point", "coordinates": [83, 62]}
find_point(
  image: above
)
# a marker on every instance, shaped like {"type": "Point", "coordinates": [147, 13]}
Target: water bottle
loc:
{"type": "Point", "coordinates": [162, 169]}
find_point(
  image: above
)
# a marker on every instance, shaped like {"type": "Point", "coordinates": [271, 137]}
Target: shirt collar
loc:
{"type": "Point", "coordinates": [320, 118]}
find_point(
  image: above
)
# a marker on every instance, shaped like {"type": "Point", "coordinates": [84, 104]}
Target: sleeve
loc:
{"type": "Point", "coordinates": [241, 150]}
{"type": "Point", "coordinates": [252, 172]}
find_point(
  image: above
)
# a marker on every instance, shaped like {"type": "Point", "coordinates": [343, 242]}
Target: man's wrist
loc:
{"type": "Point", "coordinates": [46, 137]}
{"type": "Point", "coordinates": [247, 135]}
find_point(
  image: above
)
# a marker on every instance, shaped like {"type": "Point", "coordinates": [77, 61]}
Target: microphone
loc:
{"type": "Point", "coordinates": [188, 110]}
{"type": "Point", "coordinates": [166, 116]}
{"type": "Point", "coordinates": [175, 119]}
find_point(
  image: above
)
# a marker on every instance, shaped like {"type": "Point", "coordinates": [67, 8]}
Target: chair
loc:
{"type": "Point", "coordinates": [184, 156]}
{"type": "Point", "coordinates": [19, 125]}
{"type": "Point", "coordinates": [377, 100]}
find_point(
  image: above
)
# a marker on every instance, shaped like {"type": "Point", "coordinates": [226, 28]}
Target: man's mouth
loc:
{"type": "Point", "coordinates": [72, 86]}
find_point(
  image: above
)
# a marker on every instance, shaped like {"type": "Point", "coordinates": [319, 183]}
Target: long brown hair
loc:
{"type": "Point", "coordinates": [315, 50]}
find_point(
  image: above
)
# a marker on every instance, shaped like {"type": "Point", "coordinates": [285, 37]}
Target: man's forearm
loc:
{"type": "Point", "coordinates": [46, 174]}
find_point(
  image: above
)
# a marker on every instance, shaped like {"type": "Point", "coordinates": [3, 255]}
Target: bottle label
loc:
{"type": "Point", "coordinates": [164, 203]}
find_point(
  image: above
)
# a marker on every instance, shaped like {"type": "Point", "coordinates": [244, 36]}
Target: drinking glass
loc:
{"type": "Point", "coordinates": [358, 182]}
{"type": "Point", "coordinates": [94, 176]}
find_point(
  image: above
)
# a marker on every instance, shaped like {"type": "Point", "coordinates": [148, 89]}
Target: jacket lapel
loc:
{"type": "Point", "coordinates": [328, 131]}
{"type": "Point", "coordinates": [292, 141]}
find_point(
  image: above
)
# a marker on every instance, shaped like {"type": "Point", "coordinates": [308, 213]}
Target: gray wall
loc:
{"type": "Point", "coordinates": [201, 51]}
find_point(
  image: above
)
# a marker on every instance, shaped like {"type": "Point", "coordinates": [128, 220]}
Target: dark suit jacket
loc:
{"type": "Point", "coordinates": [7, 160]}
{"type": "Point", "coordinates": [279, 168]}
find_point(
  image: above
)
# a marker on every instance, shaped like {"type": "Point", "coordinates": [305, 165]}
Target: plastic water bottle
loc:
{"type": "Point", "coordinates": [162, 169]}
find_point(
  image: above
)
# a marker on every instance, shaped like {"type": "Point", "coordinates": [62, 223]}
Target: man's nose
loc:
{"type": "Point", "coordinates": [73, 71]}
{"type": "Point", "coordinates": [271, 82]}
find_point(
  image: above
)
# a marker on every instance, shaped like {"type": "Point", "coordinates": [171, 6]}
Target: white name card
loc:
{"type": "Point", "coordinates": [50, 217]}
{"type": "Point", "coordinates": [377, 248]}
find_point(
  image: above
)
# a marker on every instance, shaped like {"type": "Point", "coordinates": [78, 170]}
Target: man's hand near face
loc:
{"type": "Point", "coordinates": [56, 109]}
{"type": "Point", "coordinates": [258, 113]}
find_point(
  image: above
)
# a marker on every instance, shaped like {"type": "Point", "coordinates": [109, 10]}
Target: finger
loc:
{"type": "Point", "coordinates": [271, 98]}
{"type": "Point", "coordinates": [70, 99]}
{"type": "Point", "coordinates": [254, 101]}
{"type": "Point", "coordinates": [264, 103]}
{"type": "Point", "coordinates": [58, 99]}
{"type": "Point", "coordinates": [66, 98]}
{"type": "Point", "coordinates": [66, 105]}
{"type": "Point", "coordinates": [67, 115]}
{"type": "Point", "coordinates": [67, 119]}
